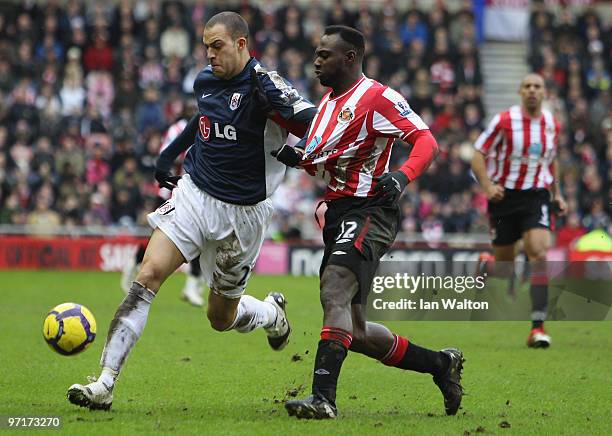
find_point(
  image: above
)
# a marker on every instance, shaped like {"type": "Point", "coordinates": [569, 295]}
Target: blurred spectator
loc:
{"type": "Point", "coordinates": [413, 29]}
{"type": "Point", "coordinates": [174, 41]}
{"type": "Point", "coordinates": [43, 220]}
{"type": "Point", "coordinates": [72, 94]}
{"type": "Point", "coordinates": [99, 54]}
{"type": "Point", "coordinates": [149, 113]}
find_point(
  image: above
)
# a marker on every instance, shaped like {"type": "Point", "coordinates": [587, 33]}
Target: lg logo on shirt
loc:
{"type": "Point", "coordinates": [224, 132]}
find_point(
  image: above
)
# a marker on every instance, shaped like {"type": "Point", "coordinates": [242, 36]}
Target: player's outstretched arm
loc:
{"type": "Point", "coordinates": [166, 158]}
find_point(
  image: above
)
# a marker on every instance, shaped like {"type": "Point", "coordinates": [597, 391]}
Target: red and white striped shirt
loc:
{"type": "Point", "coordinates": [350, 138]}
{"type": "Point", "coordinates": [520, 150]}
{"type": "Point", "coordinates": [173, 131]}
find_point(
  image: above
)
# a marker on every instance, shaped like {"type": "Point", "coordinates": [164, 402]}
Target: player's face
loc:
{"type": "Point", "coordinates": [329, 61]}
{"type": "Point", "coordinates": [532, 92]}
{"type": "Point", "coordinates": [223, 52]}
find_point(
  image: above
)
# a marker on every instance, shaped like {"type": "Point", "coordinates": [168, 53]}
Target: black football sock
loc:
{"type": "Point", "coordinates": [196, 269]}
{"type": "Point", "coordinates": [539, 293]}
{"type": "Point", "coordinates": [408, 355]}
{"type": "Point", "coordinates": [539, 300]}
{"type": "Point", "coordinates": [331, 352]}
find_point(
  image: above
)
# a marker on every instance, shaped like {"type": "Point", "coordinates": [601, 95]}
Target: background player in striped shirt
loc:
{"type": "Point", "coordinates": [349, 144]}
{"type": "Point", "coordinates": [515, 165]}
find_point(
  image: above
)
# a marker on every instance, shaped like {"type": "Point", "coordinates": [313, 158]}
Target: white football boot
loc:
{"type": "Point", "coordinates": [95, 395]}
{"type": "Point", "coordinates": [538, 338]}
{"type": "Point", "coordinates": [128, 275]}
{"type": "Point", "coordinates": [193, 291]}
{"type": "Point", "coordinates": [278, 332]}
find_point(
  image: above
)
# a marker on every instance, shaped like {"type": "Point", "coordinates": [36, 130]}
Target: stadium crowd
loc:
{"type": "Point", "coordinates": [86, 94]}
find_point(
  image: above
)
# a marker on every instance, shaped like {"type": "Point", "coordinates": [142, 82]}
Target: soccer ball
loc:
{"type": "Point", "coordinates": [69, 328]}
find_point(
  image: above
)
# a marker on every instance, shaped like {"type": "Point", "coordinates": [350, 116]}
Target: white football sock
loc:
{"type": "Point", "coordinates": [108, 377]}
{"type": "Point", "coordinates": [253, 314]}
{"type": "Point", "coordinates": [125, 330]}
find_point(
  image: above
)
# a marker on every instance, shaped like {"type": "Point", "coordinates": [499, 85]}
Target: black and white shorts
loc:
{"type": "Point", "coordinates": [517, 212]}
{"type": "Point", "coordinates": [357, 233]}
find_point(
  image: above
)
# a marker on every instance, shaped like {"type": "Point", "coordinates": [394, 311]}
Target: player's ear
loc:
{"type": "Point", "coordinates": [351, 56]}
{"type": "Point", "coordinates": [241, 42]}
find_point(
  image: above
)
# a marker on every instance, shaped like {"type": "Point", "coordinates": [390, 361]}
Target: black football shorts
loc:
{"type": "Point", "coordinates": [517, 212]}
{"type": "Point", "coordinates": [357, 233]}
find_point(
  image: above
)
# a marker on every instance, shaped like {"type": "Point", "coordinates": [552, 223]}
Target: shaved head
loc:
{"type": "Point", "coordinates": [533, 77]}
{"type": "Point", "coordinates": [532, 92]}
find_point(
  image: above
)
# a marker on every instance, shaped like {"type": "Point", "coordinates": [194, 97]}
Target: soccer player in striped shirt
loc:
{"type": "Point", "coordinates": [514, 163]}
{"type": "Point", "coordinates": [348, 145]}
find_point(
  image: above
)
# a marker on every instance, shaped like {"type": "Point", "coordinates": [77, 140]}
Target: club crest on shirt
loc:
{"type": "Point", "coordinates": [346, 115]}
{"type": "Point", "coordinates": [235, 101]}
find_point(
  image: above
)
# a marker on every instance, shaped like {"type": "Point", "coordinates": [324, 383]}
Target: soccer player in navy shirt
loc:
{"type": "Point", "coordinates": [220, 207]}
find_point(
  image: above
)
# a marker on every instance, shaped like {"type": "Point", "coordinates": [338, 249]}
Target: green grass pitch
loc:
{"type": "Point", "coordinates": [184, 378]}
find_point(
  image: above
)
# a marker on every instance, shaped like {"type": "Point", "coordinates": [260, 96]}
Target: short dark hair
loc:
{"type": "Point", "coordinates": [351, 36]}
{"type": "Point", "coordinates": [236, 26]}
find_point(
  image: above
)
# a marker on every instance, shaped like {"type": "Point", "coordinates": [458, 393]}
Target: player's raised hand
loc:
{"type": "Point", "coordinates": [288, 155]}
{"type": "Point", "coordinates": [494, 192]}
{"type": "Point", "coordinates": [166, 180]}
{"type": "Point", "coordinates": [258, 92]}
{"type": "Point", "coordinates": [390, 186]}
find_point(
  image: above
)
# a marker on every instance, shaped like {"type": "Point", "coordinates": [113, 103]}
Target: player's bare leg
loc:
{"type": "Point", "coordinates": [537, 242]}
{"type": "Point", "coordinates": [338, 286]}
{"type": "Point", "coordinates": [246, 313]}
{"type": "Point", "coordinates": [161, 259]}
{"type": "Point", "coordinates": [378, 342]}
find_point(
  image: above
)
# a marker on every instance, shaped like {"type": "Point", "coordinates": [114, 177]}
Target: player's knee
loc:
{"type": "Point", "coordinates": [150, 275]}
{"type": "Point", "coordinates": [537, 253]}
{"type": "Point", "coordinates": [219, 321]}
{"type": "Point", "coordinates": [337, 287]}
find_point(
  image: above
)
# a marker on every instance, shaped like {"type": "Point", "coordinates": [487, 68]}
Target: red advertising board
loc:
{"type": "Point", "coordinates": [83, 253]}
{"type": "Point", "coordinates": [102, 253]}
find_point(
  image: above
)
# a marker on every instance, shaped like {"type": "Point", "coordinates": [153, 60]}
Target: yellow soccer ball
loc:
{"type": "Point", "coordinates": [69, 328]}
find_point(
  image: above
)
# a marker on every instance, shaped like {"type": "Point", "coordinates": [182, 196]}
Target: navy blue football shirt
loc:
{"type": "Point", "coordinates": [230, 159]}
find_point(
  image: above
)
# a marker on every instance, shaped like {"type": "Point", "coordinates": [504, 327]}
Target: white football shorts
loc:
{"type": "Point", "coordinates": [227, 237]}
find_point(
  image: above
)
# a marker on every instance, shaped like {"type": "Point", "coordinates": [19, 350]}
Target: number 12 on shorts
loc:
{"type": "Point", "coordinates": [347, 232]}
